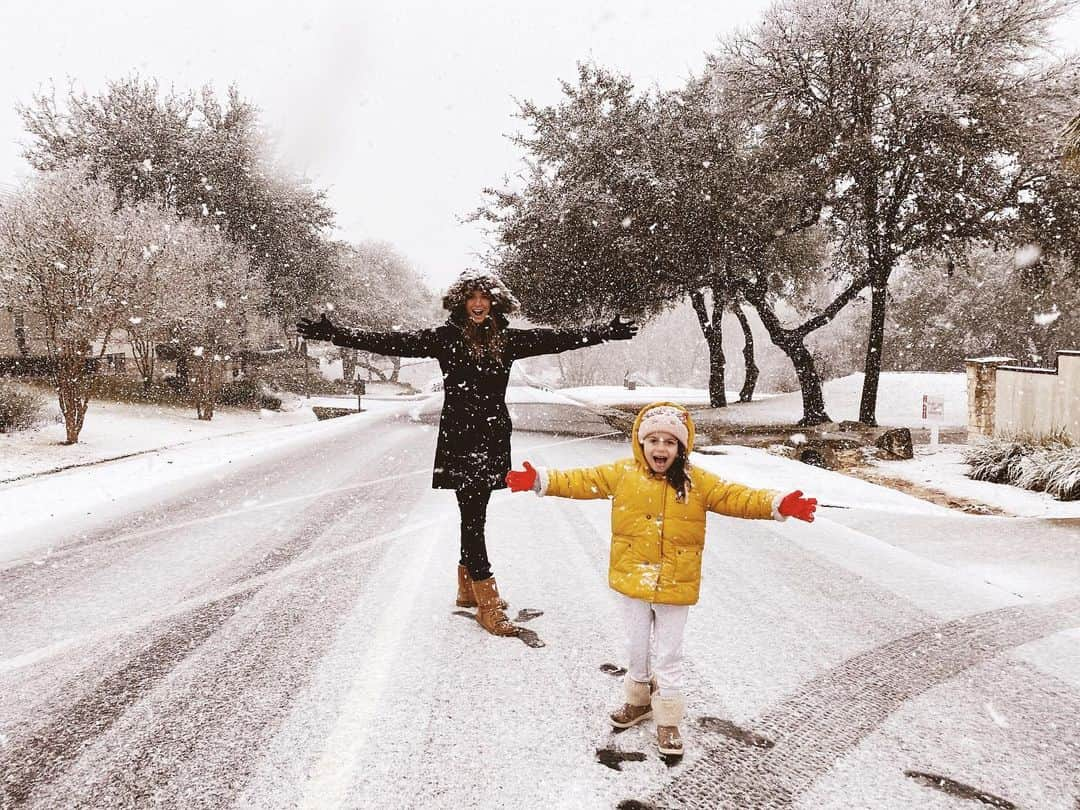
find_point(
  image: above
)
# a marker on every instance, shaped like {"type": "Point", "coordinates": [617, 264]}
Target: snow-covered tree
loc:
{"type": "Point", "coordinates": [375, 287]}
{"type": "Point", "coordinates": [634, 202]}
{"type": "Point", "coordinates": [1014, 303]}
{"type": "Point", "coordinates": [212, 292]}
{"type": "Point", "coordinates": [74, 260]}
{"type": "Point", "coordinates": [206, 158]}
{"type": "Point", "coordinates": [935, 120]}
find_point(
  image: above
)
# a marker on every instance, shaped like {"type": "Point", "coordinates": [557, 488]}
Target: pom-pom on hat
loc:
{"type": "Point", "coordinates": [502, 300]}
{"type": "Point", "coordinates": [666, 419]}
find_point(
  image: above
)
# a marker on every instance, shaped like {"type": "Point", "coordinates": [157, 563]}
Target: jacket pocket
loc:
{"type": "Point", "coordinates": [687, 564]}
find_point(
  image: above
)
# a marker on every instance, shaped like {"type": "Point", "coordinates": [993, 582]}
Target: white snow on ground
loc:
{"type": "Point", "coordinates": [943, 468]}
{"type": "Point", "coordinates": [899, 399]}
{"type": "Point", "coordinates": [758, 468]}
{"type": "Point", "coordinates": [642, 395]}
{"type": "Point", "coordinates": [114, 429]}
{"type": "Point", "coordinates": [170, 453]}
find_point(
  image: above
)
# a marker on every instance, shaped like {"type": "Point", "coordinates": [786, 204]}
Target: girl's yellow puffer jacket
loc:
{"type": "Point", "coordinates": [656, 542]}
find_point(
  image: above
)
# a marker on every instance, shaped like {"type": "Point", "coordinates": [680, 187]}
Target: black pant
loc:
{"type": "Point", "coordinates": [473, 504]}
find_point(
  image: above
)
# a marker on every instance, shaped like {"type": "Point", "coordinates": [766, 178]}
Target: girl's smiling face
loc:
{"type": "Point", "coordinates": [478, 306]}
{"type": "Point", "coordinates": [661, 449]}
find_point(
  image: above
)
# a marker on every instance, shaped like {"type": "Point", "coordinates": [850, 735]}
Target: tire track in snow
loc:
{"type": "Point", "coordinates": [36, 755]}
{"type": "Point", "coordinates": [830, 715]}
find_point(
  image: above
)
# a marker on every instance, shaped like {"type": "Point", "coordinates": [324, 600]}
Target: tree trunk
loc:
{"type": "Point", "coordinates": [372, 369]}
{"type": "Point", "coordinates": [206, 387]}
{"type": "Point", "coordinates": [348, 365]}
{"type": "Point", "coordinates": [868, 403]}
{"type": "Point", "coordinates": [813, 400]}
{"type": "Point", "coordinates": [183, 373]}
{"type": "Point", "coordinates": [792, 343]}
{"type": "Point", "coordinates": [750, 382]}
{"type": "Point", "coordinates": [714, 339]}
{"type": "Point", "coordinates": [73, 390]}
{"type": "Point", "coordinates": [143, 349]}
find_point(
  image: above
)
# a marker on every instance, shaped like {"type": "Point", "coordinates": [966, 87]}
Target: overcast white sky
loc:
{"type": "Point", "coordinates": [399, 108]}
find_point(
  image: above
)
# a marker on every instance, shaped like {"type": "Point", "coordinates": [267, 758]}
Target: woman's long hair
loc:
{"type": "Point", "coordinates": [485, 339]}
{"type": "Point", "coordinates": [678, 475]}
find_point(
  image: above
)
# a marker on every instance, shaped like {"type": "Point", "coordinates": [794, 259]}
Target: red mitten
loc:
{"type": "Point", "coordinates": [795, 505]}
{"type": "Point", "coordinates": [523, 480]}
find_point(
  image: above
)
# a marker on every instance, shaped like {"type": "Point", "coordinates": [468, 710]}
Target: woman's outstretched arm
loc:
{"type": "Point", "coordinates": [533, 342]}
{"type": "Point", "coordinates": [419, 343]}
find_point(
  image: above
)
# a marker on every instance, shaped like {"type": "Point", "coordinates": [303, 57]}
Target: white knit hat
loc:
{"type": "Point", "coordinates": [667, 419]}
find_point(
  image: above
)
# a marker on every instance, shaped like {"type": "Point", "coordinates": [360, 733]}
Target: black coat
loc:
{"type": "Point", "coordinates": [474, 429]}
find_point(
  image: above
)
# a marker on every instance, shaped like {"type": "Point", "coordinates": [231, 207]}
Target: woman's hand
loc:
{"type": "Point", "coordinates": [521, 480]}
{"type": "Point", "coordinates": [618, 329]}
{"type": "Point", "coordinates": [321, 329]}
{"type": "Point", "coordinates": [795, 505]}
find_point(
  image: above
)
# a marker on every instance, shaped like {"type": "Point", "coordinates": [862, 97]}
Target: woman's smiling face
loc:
{"type": "Point", "coordinates": [661, 449]}
{"type": "Point", "coordinates": [478, 306]}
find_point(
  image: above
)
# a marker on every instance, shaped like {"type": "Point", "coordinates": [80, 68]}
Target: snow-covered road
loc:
{"type": "Point", "coordinates": [282, 634]}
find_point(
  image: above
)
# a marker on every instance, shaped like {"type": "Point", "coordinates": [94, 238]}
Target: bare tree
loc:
{"type": "Point", "coordinates": [212, 292]}
{"type": "Point", "coordinates": [74, 261]}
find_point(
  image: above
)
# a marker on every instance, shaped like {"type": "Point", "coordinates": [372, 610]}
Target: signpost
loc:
{"type": "Point", "coordinates": [933, 411]}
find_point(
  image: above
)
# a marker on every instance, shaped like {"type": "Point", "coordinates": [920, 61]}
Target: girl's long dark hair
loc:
{"type": "Point", "coordinates": [678, 475]}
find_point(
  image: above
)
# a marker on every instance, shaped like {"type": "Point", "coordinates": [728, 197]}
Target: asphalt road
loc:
{"type": "Point", "coordinates": [284, 635]}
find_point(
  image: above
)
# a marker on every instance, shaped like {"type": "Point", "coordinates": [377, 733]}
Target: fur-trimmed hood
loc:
{"type": "Point", "coordinates": [503, 301]}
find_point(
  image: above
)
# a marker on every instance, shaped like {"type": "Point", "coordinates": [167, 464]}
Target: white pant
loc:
{"type": "Point", "coordinates": [663, 625]}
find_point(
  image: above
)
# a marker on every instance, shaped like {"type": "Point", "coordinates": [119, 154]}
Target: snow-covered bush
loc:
{"type": "Point", "coordinates": [1063, 474]}
{"type": "Point", "coordinates": [1046, 464]}
{"type": "Point", "coordinates": [248, 393]}
{"type": "Point", "coordinates": [20, 407]}
{"type": "Point", "coordinates": [992, 460]}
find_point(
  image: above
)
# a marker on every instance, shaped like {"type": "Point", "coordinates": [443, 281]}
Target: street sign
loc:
{"type": "Point", "coordinates": [933, 411]}
{"type": "Point", "coordinates": [933, 407]}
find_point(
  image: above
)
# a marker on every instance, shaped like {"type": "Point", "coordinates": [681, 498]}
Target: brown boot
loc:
{"type": "Point", "coordinates": [636, 708]}
{"type": "Point", "coordinates": [465, 597]}
{"type": "Point", "coordinates": [668, 713]}
{"type": "Point", "coordinates": [489, 614]}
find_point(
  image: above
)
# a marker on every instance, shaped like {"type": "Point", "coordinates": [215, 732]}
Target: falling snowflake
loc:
{"type": "Point", "coordinates": [1027, 255]}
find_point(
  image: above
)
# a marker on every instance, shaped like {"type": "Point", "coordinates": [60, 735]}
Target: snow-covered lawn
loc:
{"type": "Point", "coordinates": [642, 395]}
{"type": "Point", "coordinates": [943, 468]}
{"type": "Point", "coordinates": [118, 429]}
{"type": "Point", "coordinates": [899, 399]}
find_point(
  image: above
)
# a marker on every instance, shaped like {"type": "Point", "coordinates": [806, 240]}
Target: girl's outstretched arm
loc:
{"type": "Point", "coordinates": [736, 500]}
{"type": "Point", "coordinates": [582, 483]}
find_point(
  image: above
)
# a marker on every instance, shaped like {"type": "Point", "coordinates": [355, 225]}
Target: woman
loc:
{"type": "Point", "coordinates": [475, 349]}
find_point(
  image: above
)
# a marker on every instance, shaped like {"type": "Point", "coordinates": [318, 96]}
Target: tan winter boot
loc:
{"type": "Point", "coordinates": [465, 597]}
{"type": "Point", "coordinates": [637, 706]}
{"type": "Point", "coordinates": [668, 713]}
{"type": "Point", "coordinates": [489, 614]}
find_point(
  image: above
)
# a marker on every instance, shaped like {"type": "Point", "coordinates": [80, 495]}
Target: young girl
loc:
{"type": "Point", "coordinates": [658, 506]}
